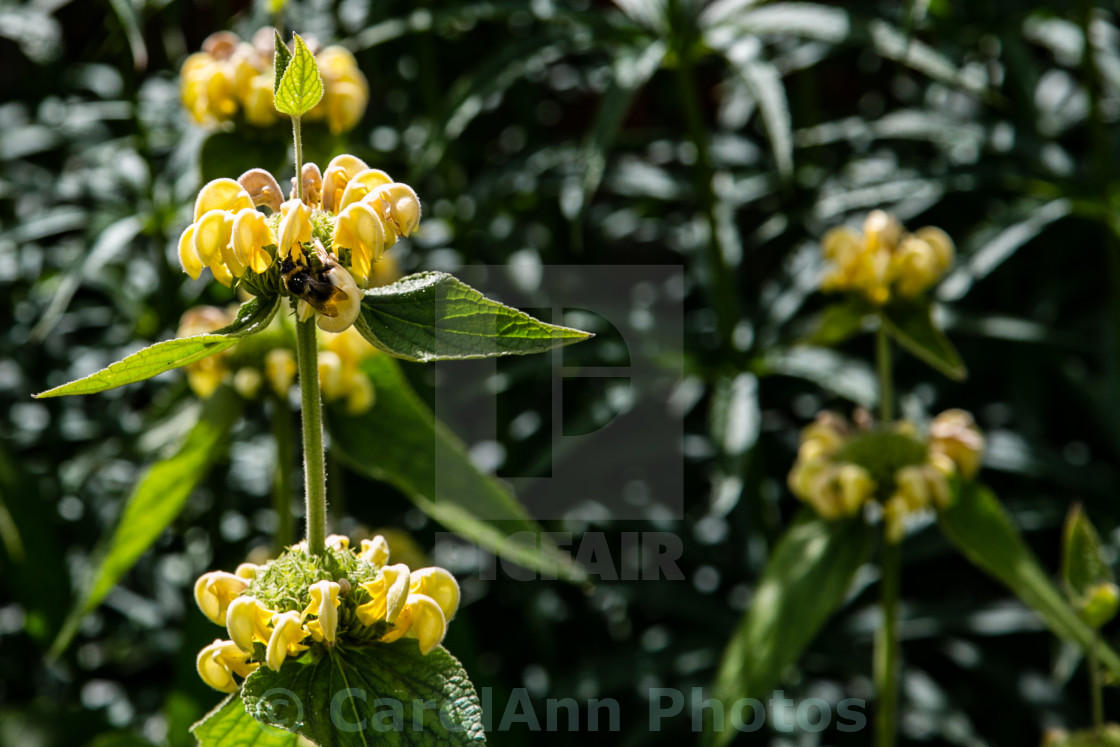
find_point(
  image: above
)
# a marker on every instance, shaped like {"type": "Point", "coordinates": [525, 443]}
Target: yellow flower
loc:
{"type": "Point", "coordinates": [388, 595]}
{"type": "Point", "coordinates": [280, 370]}
{"type": "Point", "coordinates": [247, 620]}
{"type": "Point", "coordinates": [398, 205]}
{"type": "Point", "coordinates": [421, 619]}
{"type": "Point", "coordinates": [375, 551]}
{"type": "Point", "coordinates": [251, 239]}
{"type": "Point", "coordinates": [218, 662]}
{"type": "Point", "coordinates": [214, 591]}
{"type": "Point", "coordinates": [360, 230]}
{"type": "Point", "coordinates": [883, 261]}
{"type": "Point", "coordinates": [439, 585]}
{"type": "Point", "coordinates": [295, 228]}
{"type": "Point", "coordinates": [346, 91]}
{"type": "Point", "coordinates": [339, 172]}
{"type": "Point", "coordinates": [262, 188]}
{"type": "Point", "coordinates": [287, 632]}
{"type": "Point", "coordinates": [324, 605]}
{"type": "Point", "coordinates": [259, 110]}
{"type": "Point", "coordinates": [247, 571]}
{"type": "Point", "coordinates": [221, 194]}
{"type": "Point", "coordinates": [954, 434]}
{"type": "Point", "coordinates": [361, 185]}
{"type": "Point", "coordinates": [204, 376]}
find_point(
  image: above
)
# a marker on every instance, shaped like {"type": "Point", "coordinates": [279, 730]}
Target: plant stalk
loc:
{"type": "Point", "coordinates": [297, 138]}
{"type": "Point", "coordinates": [886, 664]}
{"type": "Point", "coordinates": [883, 363]}
{"type": "Point", "coordinates": [887, 649]}
{"type": "Point", "coordinates": [314, 463]}
{"type": "Point", "coordinates": [1095, 685]}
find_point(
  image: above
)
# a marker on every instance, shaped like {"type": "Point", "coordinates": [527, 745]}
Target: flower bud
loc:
{"type": "Point", "coordinates": [312, 185]}
{"type": "Point", "coordinates": [954, 434]}
{"type": "Point", "coordinates": [1100, 604]}
{"type": "Point", "coordinates": [262, 189]}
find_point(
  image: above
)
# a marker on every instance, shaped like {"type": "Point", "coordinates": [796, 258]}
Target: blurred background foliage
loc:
{"type": "Point", "coordinates": [725, 137]}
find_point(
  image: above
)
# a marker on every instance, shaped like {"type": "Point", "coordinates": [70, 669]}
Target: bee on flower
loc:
{"type": "Point", "coordinates": [319, 248]}
{"type": "Point", "coordinates": [229, 77]}
{"type": "Point", "coordinates": [299, 603]}
{"type": "Point", "coordinates": [841, 468]}
{"type": "Point", "coordinates": [884, 262]}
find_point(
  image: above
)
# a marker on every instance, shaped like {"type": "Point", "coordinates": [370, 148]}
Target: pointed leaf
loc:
{"type": "Point", "coordinates": [979, 527]}
{"type": "Point", "coordinates": [1083, 561]}
{"type": "Point", "coordinates": [837, 323]}
{"type": "Point", "coordinates": [155, 502]}
{"type": "Point", "coordinates": [911, 324]}
{"type": "Point", "coordinates": [280, 62]}
{"type": "Point", "coordinates": [400, 442]}
{"type": "Point", "coordinates": [803, 583]}
{"type": "Point", "coordinates": [764, 83]}
{"type": "Point", "coordinates": [388, 694]}
{"type": "Point", "coordinates": [301, 86]}
{"type": "Point", "coordinates": [228, 725]}
{"type": "Point", "coordinates": [153, 360]}
{"type": "Point", "coordinates": [433, 316]}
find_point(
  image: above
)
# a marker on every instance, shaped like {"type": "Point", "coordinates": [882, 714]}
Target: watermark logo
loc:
{"type": "Point", "coordinates": [282, 709]}
{"type": "Point", "coordinates": [620, 457]}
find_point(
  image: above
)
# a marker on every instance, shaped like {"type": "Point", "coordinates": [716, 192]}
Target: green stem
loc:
{"type": "Point", "coordinates": [297, 137]}
{"type": "Point", "coordinates": [886, 664]}
{"type": "Point", "coordinates": [314, 465]}
{"type": "Point", "coordinates": [282, 479]}
{"type": "Point", "coordinates": [1095, 685]}
{"type": "Point", "coordinates": [883, 363]}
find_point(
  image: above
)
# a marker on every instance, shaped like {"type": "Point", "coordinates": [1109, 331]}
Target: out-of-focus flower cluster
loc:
{"type": "Point", "coordinates": [230, 76]}
{"type": "Point", "coordinates": [884, 262]}
{"type": "Point", "coordinates": [298, 602]}
{"type": "Point", "coordinates": [329, 238]}
{"type": "Point", "coordinates": [247, 367]}
{"type": "Point", "coordinates": [841, 467]}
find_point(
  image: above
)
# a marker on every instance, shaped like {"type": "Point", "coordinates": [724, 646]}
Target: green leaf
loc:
{"type": "Point", "coordinates": [252, 318]}
{"type": "Point", "coordinates": [386, 694]}
{"type": "Point", "coordinates": [228, 725]}
{"type": "Point", "coordinates": [156, 500]}
{"type": "Point", "coordinates": [279, 62]}
{"type": "Point", "coordinates": [764, 83]}
{"type": "Point", "coordinates": [301, 86]}
{"type": "Point", "coordinates": [803, 583]}
{"type": "Point", "coordinates": [912, 325]}
{"type": "Point", "coordinates": [837, 323]}
{"type": "Point", "coordinates": [979, 527]}
{"type": "Point", "coordinates": [400, 442]}
{"type": "Point", "coordinates": [432, 316]}
{"type": "Point", "coordinates": [1083, 561]}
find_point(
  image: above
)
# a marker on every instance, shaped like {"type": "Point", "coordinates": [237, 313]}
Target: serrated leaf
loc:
{"type": "Point", "coordinates": [301, 86]}
{"type": "Point", "coordinates": [252, 317]}
{"type": "Point", "coordinates": [979, 527]}
{"type": "Point", "coordinates": [1083, 561]}
{"type": "Point", "coordinates": [379, 694]}
{"type": "Point", "coordinates": [280, 61]}
{"type": "Point", "coordinates": [228, 725]}
{"type": "Point", "coordinates": [155, 502]}
{"type": "Point", "coordinates": [433, 316]}
{"type": "Point", "coordinates": [911, 324]}
{"type": "Point", "coordinates": [400, 442]}
{"type": "Point", "coordinates": [803, 583]}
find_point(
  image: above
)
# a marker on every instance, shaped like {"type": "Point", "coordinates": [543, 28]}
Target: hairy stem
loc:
{"type": "Point", "coordinates": [314, 464]}
{"type": "Point", "coordinates": [297, 137]}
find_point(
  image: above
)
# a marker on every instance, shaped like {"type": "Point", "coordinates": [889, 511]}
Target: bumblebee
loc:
{"type": "Point", "coordinates": [329, 289]}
